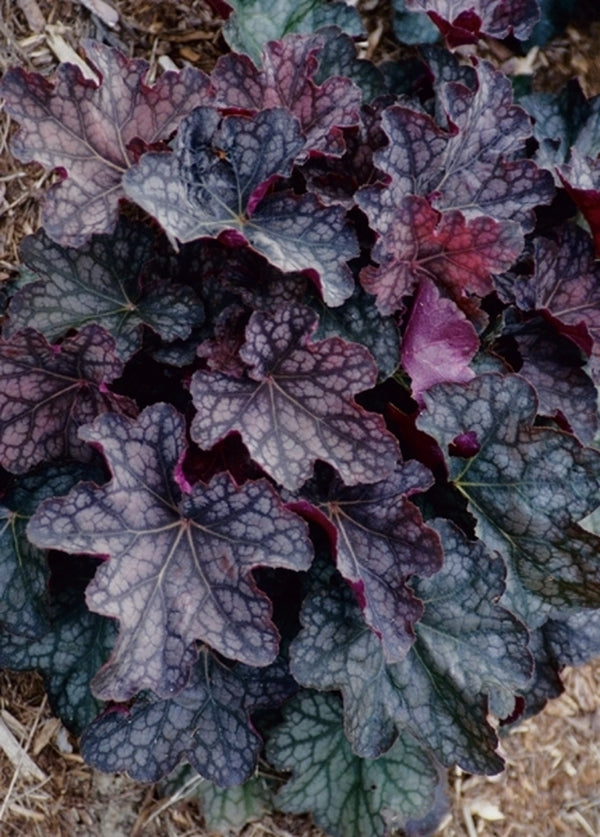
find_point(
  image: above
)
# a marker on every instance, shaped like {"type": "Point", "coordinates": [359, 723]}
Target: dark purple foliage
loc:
{"type": "Point", "coordinates": [316, 424]}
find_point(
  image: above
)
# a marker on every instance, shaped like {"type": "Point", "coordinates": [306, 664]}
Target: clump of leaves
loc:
{"type": "Point", "coordinates": [294, 472]}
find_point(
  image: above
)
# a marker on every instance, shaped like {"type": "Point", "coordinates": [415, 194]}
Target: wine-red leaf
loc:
{"type": "Point", "coordinates": [418, 242]}
{"type": "Point", "coordinates": [439, 342]}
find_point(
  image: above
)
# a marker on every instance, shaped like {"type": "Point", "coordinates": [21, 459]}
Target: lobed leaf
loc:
{"type": "Point", "coordinates": [465, 21]}
{"type": "Point", "coordinates": [233, 808]}
{"type": "Point", "coordinates": [217, 183]}
{"type": "Point", "coordinates": [47, 392]}
{"type": "Point", "coordinates": [380, 541]}
{"type": "Point", "coordinates": [296, 405]}
{"type": "Point", "coordinates": [565, 286]}
{"type": "Point", "coordinates": [527, 487]}
{"type": "Point", "coordinates": [476, 166]}
{"type": "Point", "coordinates": [180, 565]}
{"type": "Point", "coordinates": [418, 243]}
{"type": "Point", "coordinates": [581, 178]}
{"type": "Point", "coordinates": [439, 341]}
{"type": "Point", "coordinates": [91, 131]}
{"type": "Point", "coordinates": [251, 26]}
{"type": "Point", "coordinates": [348, 796]}
{"type": "Point", "coordinates": [207, 724]}
{"type": "Point", "coordinates": [101, 282]}
{"type": "Point", "coordinates": [466, 645]}
{"type": "Point", "coordinates": [553, 365]}
{"type": "Point", "coordinates": [67, 656]}
{"type": "Point", "coordinates": [286, 80]}
{"type": "Point", "coordinates": [24, 574]}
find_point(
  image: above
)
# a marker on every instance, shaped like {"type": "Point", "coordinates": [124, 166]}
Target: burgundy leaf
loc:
{"type": "Point", "coordinates": [418, 242]}
{"type": "Point", "coordinates": [47, 392]}
{"type": "Point", "coordinates": [286, 80]}
{"type": "Point", "coordinates": [179, 566]}
{"type": "Point", "coordinates": [217, 184]}
{"type": "Point", "coordinates": [91, 131]}
{"type": "Point", "coordinates": [296, 404]}
{"type": "Point", "coordinates": [474, 167]}
{"type": "Point", "coordinates": [464, 21]}
{"type": "Point", "coordinates": [439, 342]}
{"type": "Point", "coordinates": [381, 540]}
{"type": "Point", "coordinates": [553, 365]}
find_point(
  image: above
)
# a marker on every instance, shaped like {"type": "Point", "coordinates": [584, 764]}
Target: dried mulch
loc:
{"type": "Point", "coordinates": [552, 782]}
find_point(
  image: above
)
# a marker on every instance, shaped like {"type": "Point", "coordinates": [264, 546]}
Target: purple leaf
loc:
{"type": "Point", "coordinates": [381, 540]}
{"type": "Point", "coordinates": [217, 183]}
{"type": "Point", "coordinates": [439, 341]}
{"type": "Point", "coordinates": [418, 242]}
{"type": "Point", "coordinates": [464, 21]}
{"type": "Point", "coordinates": [581, 178]}
{"type": "Point", "coordinates": [565, 286]}
{"type": "Point", "coordinates": [296, 404]}
{"type": "Point", "coordinates": [47, 392]}
{"type": "Point", "coordinates": [552, 363]}
{"type": "Point", "coordinates": [286, 81]}
{"type": "Point", "coordinates": [90, 131]}
{"type": "Point", "coordinates": [179, 567]}
{"type": "Point", "coordinates": [474, 167]}
{"type": "Point", "coordinates": [207, 724]}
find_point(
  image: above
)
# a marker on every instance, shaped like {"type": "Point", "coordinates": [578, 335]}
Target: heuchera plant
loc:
{"type": "Point", "coordinates": [294, 468]}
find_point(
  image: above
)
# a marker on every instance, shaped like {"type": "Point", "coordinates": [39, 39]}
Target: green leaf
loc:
{"type": "Point", "coordinates": [68, 655]}
{"type": "Point", "coordinates": [359, 321]}
{"type": "Point", "coordinates": [230, 809]}
{"type": "Point", "coordinates": [347, 796]}
{"type": "Point", "coordinates": [527, 487]}
{"type": "Point", "coordinates": [23, 567]}
{"type": "Point", "coordinates": [466, 645]}
{"type": "Point", "coordinates": [253, 22]}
